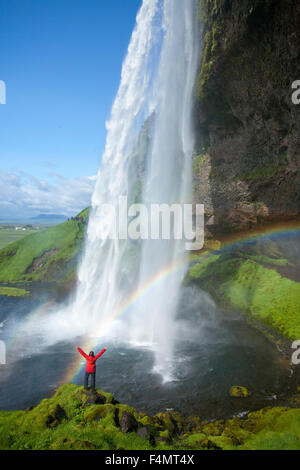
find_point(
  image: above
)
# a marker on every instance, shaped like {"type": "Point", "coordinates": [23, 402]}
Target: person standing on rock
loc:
{"type": "Point", "coordinates": [90, 369]}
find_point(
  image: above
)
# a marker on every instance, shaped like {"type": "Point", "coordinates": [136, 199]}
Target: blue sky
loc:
{"type": "Point", "coordinates": [61, 62]}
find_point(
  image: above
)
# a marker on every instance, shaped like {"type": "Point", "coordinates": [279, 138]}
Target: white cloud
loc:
{"type": "Point", "coordinates": [24, 195]}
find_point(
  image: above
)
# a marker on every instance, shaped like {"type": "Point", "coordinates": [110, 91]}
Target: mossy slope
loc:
{"type": "Point", "coordinates": [251, 283]}
{"type": "Point", "coordinates": [67, 421]}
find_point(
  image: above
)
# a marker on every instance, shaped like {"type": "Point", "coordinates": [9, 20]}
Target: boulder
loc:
{"type": "Point", "coordinates": [95, 398]}
{"type": "Point", "coordinates": [128, 423]}
{"type": "Point", "coordinates": [144, 433]}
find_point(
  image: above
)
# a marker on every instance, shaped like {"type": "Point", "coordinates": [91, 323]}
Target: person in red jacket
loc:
{"type": "Point", "coordinates": [90, 369]}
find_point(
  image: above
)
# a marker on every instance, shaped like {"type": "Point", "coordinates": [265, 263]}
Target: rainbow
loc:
{"type": "Point", "coordinates": [123, 308]}
{"type": "Point", "coordinates": [274, 231]}
{"type": "Point", "coordinates": [228, 242]}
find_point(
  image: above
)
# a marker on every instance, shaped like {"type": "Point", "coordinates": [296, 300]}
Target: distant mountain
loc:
{"type": "Point", "coordinates": [49, 217]}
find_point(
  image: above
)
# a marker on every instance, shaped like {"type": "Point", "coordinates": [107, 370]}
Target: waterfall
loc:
{"type": "Point", "coordinates": [147, 158]}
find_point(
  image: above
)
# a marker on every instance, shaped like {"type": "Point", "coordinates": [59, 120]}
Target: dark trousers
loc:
{"type": "Point", "coordinates": [86, 380]}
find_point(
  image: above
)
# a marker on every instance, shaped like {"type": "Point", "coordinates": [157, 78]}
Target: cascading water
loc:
{"type": "Point", "coordinates": [147, 159]}
{"type": "Point", "coordinates": [157, 80]}
{"type": "Point", "coordinates": [123, 293]}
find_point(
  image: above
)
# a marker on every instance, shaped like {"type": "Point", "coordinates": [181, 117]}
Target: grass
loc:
{"type": "Point", "coordinates": [13, 291]}
{"type": "Point", "coordinates": [67, 422]}
{"type": "Point", "coordinates": [242, 281]}
{"type": "Point", "coordinates": [9, 235]}
{"type": "Point", "coordinates": [270, 298]}
{"type": "Point", "coordinates": [46, 255]}
{"type": "Point", "coordinates": [64, 422]}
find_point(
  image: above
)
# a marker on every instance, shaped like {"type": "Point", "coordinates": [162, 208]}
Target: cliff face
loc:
{"type": "Point", "coordinates": [246, 168]}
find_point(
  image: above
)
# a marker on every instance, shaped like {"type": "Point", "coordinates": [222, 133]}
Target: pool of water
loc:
{"type": "Point", "coordinates": [214, 351]}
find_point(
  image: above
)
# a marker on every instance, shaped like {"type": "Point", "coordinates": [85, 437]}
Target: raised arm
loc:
{"type": "Point", "coordinates": [82, 352]}
{"type": "Point", "coordinates": [100, 353]}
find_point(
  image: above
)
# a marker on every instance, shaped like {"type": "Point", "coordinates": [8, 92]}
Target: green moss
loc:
{"type": "Point", "coordinates": [13, 291]}
{"type": "Point", "coordinates": [238, 391]}
{"type": "Point", "coordinates": [199, 269]}
{"type": "Point", "coordinates": [267, 296]}
{"type": "Point", "coordinates": [171, 421]}
{"type": "Point", "coordinates": [73, 425]}
{"type": "Point", "coordinates": [106, 413]}
{"type": "Point", "coordinates": [275, 428]}
{"type": "Point", "coordinates": [269, 428]}
{"type": "Point", "coordinates": [241, 281]}
{"type": "Point", "coordinates": [146, 421]}
{"type": "Point", "coordinates": [198, 162]}
{"type": "Point", "coordinates": [266, 259]}
{"type": "Point", "coordinates": [214, 428]}
{"type": "Point", "coordinates": [125, 408]}
{"type": "Point", "coordinates": [164, 436]}
{"type": "Point", "coordinates": [259, 173]}
{"type": "Point", "coordinates": [77, 426]}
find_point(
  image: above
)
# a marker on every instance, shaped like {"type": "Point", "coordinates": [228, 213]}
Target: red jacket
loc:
{"type": "Point", "coordinates": [91, 360]}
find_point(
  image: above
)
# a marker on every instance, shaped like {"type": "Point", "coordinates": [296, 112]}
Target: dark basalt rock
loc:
{"type": "Point", "coordinates": [246, 170]}
{"type": "Point", "coordinates": [128, 423]}
{"type": "Point", "coordinates": [95, 398]}
{"type": "Point", "coordinates": [30, 408]}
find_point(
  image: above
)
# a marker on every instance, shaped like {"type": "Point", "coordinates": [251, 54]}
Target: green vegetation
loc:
{"type": "Point", "coordinates": [72, 420]}
{"type": "Point", "coordinates": [199, 268]}
{"type": "Point", "coordinates": [263, 172]}
{"type": "Point", "coordinates": [67, 421]}
{"type": "Point", "coordinates": [197, 162]}
{"type": "Point", "coordinates": [47, 255]}
{"type": "Point", "coordinates": [242, 281]}
{"type": "Point", "coordinates": [267, 429]}
{"type": "Point", "coordinates": [238, 391]}
{"type": "Point", "coordinates": [9, 235]}
{"type": "Point", "coordinates": [13, 291]}
{"type": "Point", "coordinates": [266, 259]}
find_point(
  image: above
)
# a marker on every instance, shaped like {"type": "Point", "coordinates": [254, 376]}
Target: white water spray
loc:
{"type": "Point", "coordinates": [153, 166]}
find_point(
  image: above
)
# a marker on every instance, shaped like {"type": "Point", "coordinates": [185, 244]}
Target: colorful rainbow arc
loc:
{"type": "Point", "coordinates": [281, 230]}
{"type": "Point", "coordinates": [75, 367]}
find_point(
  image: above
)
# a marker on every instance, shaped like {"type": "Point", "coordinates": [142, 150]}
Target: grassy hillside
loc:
{"type": "Point", "coordinates": [75, 419]}
{"type": "Point", "coordinates": [9, 235]}
{"type": "Point", "coordinates": [48, 255]}
{"type": "Point", "coordinates": [260, 284]}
